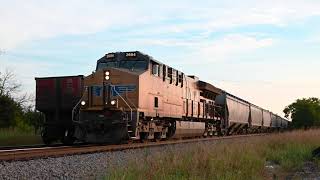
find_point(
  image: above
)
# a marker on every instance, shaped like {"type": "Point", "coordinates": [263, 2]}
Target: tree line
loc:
{"type": "Point", "coordinates": [17, 109]}
{"type": "Point", "coordinates": [305, 113]}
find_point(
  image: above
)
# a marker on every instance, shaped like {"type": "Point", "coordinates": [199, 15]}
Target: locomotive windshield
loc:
{"type": "Point", "coordinates": [137, 65]}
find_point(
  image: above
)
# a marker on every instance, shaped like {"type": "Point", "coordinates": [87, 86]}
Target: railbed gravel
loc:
{"type": "Point", "coordinates": [84, 166]}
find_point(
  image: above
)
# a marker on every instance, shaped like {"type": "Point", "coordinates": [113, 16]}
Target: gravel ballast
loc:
{"type": "Point", "coordinates": [92, 166]}
{"type": "Point", "coordinates": [85, 166]}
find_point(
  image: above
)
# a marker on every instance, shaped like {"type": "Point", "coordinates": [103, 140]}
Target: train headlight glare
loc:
{"type": "Point", "coordinates": [83, 103]}
{"type": "Point", "coordinates": [107, 73]}
{"type": "Point", "coordinates": [113, 102]}
{"type": "Point", "coordinates": [107, 77]}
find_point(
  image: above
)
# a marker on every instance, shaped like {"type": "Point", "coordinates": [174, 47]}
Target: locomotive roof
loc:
{"type": "Point", "coordinates": [209, 87]}
{"type": "Point", "coordinates": [133, 55]}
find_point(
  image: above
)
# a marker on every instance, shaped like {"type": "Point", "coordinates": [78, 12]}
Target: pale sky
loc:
{"type": "Point", "coordinates": [266, 52]}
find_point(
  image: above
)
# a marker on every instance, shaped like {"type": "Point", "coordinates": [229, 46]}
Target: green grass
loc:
{"type": "Point", "coordinates": [291, 155]}
{"type": "Point", "coordinates": [15, 137]}
{"type": "Point", "coordinates": [233, 159]}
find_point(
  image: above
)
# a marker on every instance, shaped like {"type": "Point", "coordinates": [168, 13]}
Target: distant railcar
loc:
{"type": "Point", "coordinates": [256, 117]}
{"type": "Point", "coordinates": [266, 119]}
{"type": "Point", "coordinates": [236, 113]}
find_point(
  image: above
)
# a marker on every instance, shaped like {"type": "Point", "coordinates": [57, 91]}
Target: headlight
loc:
{"type": "Point", "coordinates": [83, 103]}
{"type": "Point", "coordinates": [113, 102]}
{"type": "Point", "coordinates": [107, 75]}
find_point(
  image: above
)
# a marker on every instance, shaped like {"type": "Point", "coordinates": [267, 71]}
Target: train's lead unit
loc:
{"type": "Point", "coordinates": [133, 96]}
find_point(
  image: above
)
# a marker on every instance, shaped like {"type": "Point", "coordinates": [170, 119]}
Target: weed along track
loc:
{"type": "Point", "coordinates": [278, 155]}
{"type": "Point", "coordinates": [44, 152]}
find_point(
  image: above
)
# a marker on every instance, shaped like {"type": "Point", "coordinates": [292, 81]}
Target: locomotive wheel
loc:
{"type": "Point", "coordinates": [119, 135]}
{"type": "Point", "coordinates": [68, 140]}
{"type": "Point", "coordinates": [157, 137]}
{"type": "Point", "coordinates": [223, 133]}
{"type": "Point", "coordinates": [143, 137]}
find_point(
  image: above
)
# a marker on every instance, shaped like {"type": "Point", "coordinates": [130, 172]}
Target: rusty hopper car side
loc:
{"type": "Point", "coordinates": [56, 97]}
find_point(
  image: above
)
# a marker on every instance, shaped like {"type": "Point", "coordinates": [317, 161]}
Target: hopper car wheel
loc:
{"type": "Point", "coordinates": [44, 135]}
{"type": "Point", "coordinates": [68, 139]}
{"type": "Point", "coordinates": [46, 141]}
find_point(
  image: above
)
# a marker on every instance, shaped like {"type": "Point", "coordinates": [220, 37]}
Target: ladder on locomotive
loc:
{"type": "Point", "coordinates": [131, 131]}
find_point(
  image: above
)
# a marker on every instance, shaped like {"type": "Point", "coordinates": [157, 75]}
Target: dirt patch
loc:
{"type": "Point", "coordinates": [310, 170]}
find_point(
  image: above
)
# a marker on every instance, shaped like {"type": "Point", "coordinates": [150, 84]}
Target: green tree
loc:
{"type": "Point", "coordinates": [304, 113]}
{"type": "Point", "coordinates": [16, 110]}
{"type": "Point", "coordinates": [8, 111]}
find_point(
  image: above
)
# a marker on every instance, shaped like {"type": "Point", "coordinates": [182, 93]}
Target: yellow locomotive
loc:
{"type": "Point", "coordinates": [133, 96]}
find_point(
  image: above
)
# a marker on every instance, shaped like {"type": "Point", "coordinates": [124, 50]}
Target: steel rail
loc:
{"type": "Point", "coordinates": [45, 152]}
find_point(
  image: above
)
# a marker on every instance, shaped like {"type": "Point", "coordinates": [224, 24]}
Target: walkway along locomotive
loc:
{"type": "Point", "coordinates": [133, 96]}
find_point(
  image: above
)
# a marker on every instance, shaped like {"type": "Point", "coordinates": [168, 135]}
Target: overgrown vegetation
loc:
{"type": "Point", "coordinates": [15, 136]}
{"type": "Point", "coordinates": [305, 113]}
{"type": "Point", "coordinates": [231, 159]}
{"type": "Point", "coordinates": [18, 119]}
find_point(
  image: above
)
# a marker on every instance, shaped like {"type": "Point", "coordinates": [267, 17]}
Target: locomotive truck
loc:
{"type": "Point", "coordinates": [132, 96]}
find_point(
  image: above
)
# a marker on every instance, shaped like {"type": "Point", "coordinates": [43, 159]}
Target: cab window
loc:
{"type": "Point", "coordinates": [164, 72]}
{"type": "Point", "coordinates": [170, 74]}
{"type": "Point", "coordinates": [155, 69]}
{"type": "Point", "coordinates": [137, 65]}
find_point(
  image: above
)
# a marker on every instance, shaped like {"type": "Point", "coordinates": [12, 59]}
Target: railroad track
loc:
{"type": "Point", "coordinates": [2, 148]}
{"type": "Point", "coordinates": [28, 146]}
{"type": "Point", "coordinates": [45, 152]}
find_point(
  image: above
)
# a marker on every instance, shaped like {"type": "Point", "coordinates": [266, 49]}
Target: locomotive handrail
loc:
{"type": "Point", "coordinates": [74, 108]}
{"type": "Point", "coordinates": [129, 99]}
{"type": "Point", "coordinates": [123, 100]}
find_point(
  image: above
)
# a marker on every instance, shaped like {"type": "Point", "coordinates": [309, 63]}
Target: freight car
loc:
{"type": "Point", "coordinates": [133, 96]}
{"type": "Point", "coordinates": [56, 97]}
{"type": "Point", "coordinates": [240, 116]}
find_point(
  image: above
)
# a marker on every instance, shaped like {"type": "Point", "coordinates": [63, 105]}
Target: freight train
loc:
{"type": "Point", "coordinates": [132, 96]}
